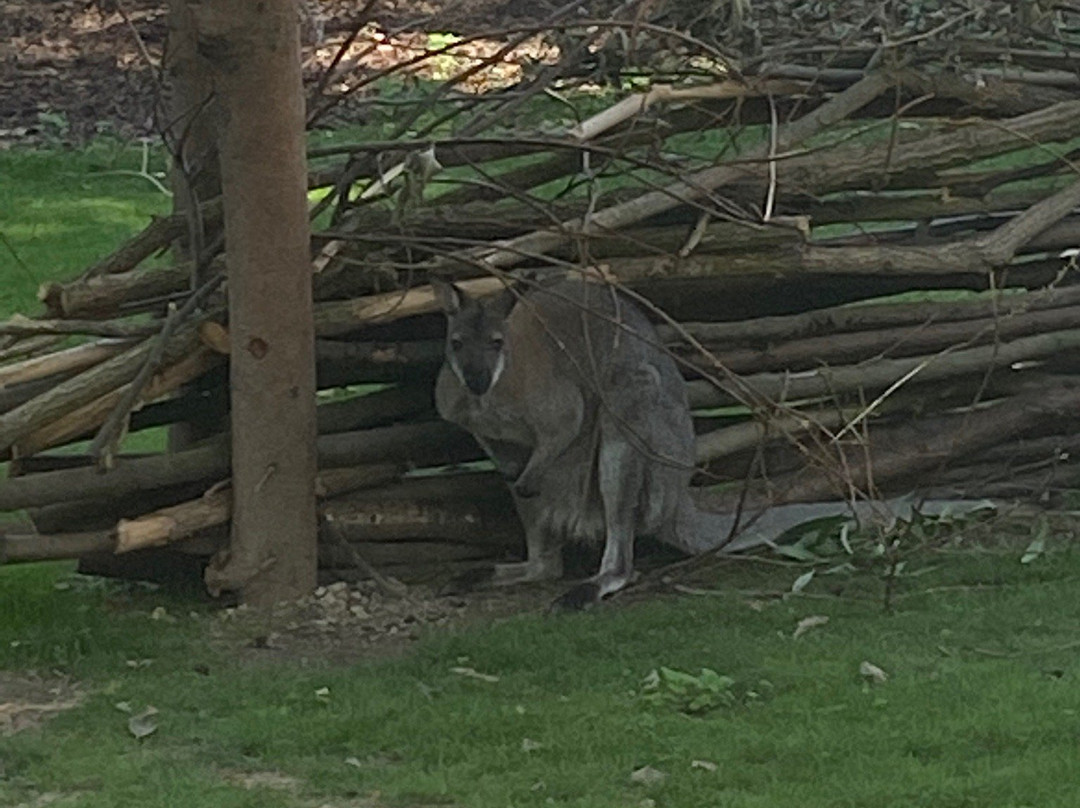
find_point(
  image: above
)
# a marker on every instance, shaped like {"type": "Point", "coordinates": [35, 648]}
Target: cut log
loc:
{"type": "Point", "coordinates": [340, 317]}
{"type": "Point", "coordinates": [215, 507]}
{"type": "Point", "coordinates": [102, 296]}
{"type": "Point", "coordinates": [399, 521]}
{"type": "Point", "coordinates": [158, 235]}
{"type": "Point", "coordinates": [909, 452]}
{"type": "Point", "coordinates": [23, 326]}
{"type": "Point", "coordinates": [13, 348]}
{"type": "Point", "coordinates": [88, 386]}
{"type": "Point", "coordinates": [21, 547]}
{"type": "Point", "coordinates": [843, 319]}
{"type": "Point", "coordinates": [880, 374]}
{"type": "Point", "coordinates": [432, 443]}
{"type": "Point", "coordinates": [82, 422]}
{"type": "Point", "coordinates": [846, 349]}
{"type": "Point", "coordinates": [398, 403]}
{"type": "Point", "coordinates": [75, 359]}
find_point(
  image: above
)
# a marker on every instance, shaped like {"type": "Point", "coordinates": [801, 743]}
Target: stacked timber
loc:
{"type": "Point", "coordinates": [867, 273]}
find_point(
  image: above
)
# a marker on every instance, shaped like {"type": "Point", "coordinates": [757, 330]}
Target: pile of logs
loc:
{"type": "Point", "coordinates": [867, 273]}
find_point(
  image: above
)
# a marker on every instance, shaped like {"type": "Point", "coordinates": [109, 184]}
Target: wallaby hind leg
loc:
{"type": "Point", "coordinates": [543, 550]}
{"type": "Point", "coordinates": [620, 469]}
{"type": "Point", "coordinates": [543, 560]}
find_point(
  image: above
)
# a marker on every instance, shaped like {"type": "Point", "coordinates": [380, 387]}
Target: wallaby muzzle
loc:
{"type": "Point", "coordinates": [477, 379]}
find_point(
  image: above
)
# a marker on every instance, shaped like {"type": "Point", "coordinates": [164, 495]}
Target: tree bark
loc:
{"type": "Point", "coordinates": [254, 52]}
{"type": "Point", "coordinates": [214, 507]}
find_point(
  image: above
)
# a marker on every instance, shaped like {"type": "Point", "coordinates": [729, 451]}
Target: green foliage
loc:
{"type": "Point", "coordinates": [694, 695]}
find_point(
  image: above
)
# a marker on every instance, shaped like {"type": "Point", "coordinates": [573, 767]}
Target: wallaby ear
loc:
{"type": "Point", "coordinates": [504, 302]}
{"type": "Point", "coordinates": [448, 296]}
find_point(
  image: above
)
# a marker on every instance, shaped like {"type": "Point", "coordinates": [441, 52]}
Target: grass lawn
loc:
{"type": "Point", "coordinates": [981, 706]}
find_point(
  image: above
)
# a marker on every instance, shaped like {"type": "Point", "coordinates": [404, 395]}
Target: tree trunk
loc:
{"type": "Point", "coordinates": [193, 118]}
{"type": "Point", "coordinates": [254, 49]}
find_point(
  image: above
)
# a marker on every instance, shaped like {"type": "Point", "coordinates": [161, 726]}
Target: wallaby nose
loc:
{"type": "Point", "coordinates": [478, 383]}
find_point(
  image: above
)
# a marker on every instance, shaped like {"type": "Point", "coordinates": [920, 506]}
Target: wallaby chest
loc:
{"type": "Point", "coordinates": [496, 415]}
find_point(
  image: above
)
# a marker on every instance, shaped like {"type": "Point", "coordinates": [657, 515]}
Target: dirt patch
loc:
{"type": "Point", "coordinates": [28, 700]}
{"type": "Point", "coordinates": [275, 781]}
{"type": "Point", "coordinates": [70, 69]}
{"type": "Point", "coordinates": [344, 623]}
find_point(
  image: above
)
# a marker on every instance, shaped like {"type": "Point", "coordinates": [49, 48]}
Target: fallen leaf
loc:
{"type": "Point", "coordinates": [354, 762]}
{"type": "Point", "coordinates": [472, 673]}
{"type": "Point", "coordinates": [323, 694]}
{"type": "Point", "coordinates": [801, 582]}
{"type": "Point", "coordinates": [124, 707]}
{"type": "Point", "coordinates": [807, 623]}
{"type": "Point", "coordinates": [529, 745]}
{"type": "Point", "coordinates": [705, 765]}
{"type": "Point", "coordinates": [647, 776]}
{"type": "Point", "coordinates": [160, 613]}
{"type": "Point", "coordinates": [1033, 551]}
{"type": "Point", "coordinates": [872, 673]}
{"type": "Point", "coordinates": [143, 724]}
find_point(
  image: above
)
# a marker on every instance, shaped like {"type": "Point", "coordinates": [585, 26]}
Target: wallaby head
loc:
{"type": "Point", "coordinates": [475, 334]}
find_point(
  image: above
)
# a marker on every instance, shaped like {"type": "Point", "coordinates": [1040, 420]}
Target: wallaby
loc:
{"type": "Point", "coordinates": [568, 391]}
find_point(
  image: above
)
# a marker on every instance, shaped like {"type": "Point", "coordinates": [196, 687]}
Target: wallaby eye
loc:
{"type": "Point", "coordinates": [497, 343]}
{"type": "Point", "coordinates": [455, 343]}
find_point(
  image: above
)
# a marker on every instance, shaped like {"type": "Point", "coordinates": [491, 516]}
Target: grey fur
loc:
{"type": "Point", "coordinates": [589, 419]}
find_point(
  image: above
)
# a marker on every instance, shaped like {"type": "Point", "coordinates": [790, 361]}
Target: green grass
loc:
{"type": "Point", "coordinates": [981, 707]}
{"type": "Point", "coordinates": [62, 209]}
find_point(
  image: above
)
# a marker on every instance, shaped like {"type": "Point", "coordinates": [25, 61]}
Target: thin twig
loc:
{"type": "Point", "coordinates": [111, 431]}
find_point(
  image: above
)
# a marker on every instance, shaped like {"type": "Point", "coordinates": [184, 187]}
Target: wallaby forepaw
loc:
{"type": "Point", "coordinates": [578, 599]}
{"type": "Point", "coordinates": [468, 581]}
{"type": "Point", "coordinates": [525, 488]}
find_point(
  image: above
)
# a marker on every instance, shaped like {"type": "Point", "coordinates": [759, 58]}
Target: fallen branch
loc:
{"type": "Point", "coordinates": [170, 524]}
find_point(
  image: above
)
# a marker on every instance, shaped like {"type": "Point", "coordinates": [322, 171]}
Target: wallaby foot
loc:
{"type": "Point", "coordinates": [468, 581]}
{"type": "Point", "coordinates": [590, 592]}
{"type": "Point", "coordinates": [526, 572]}
{"type": "Point", "coordinates": [498, 575]}
{"type": "Point", "coordinates": [578, 599]}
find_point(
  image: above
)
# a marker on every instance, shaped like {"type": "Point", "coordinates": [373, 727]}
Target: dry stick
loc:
{"type": "Point", "coordinates": [158, 235]}
{"type": "Point", "coordinates": [79, 423]}
{"type": "Point", "coordinates": [389, 586]}
{"type": "Point", "coordinates": [432, 443]}
{"type": "Point", "coordinates": [341, 317]}
{"type": "Point", "coordinates": [975, 255]}
{"type": "Point", "coordinates": [507, 254]}
{"type": "Point", "coordinates": [918, 450]}
{"type": "Point", "coordinates": [22, 326]}
{"type": "Point", "coordinates": [747, 435]}
{"type": "Point", "coordinates": [921, 338]}
{"type": "Point", "coordinates": [87, 386]}
{"type": "Point", "coordinates": [176, 522]}
{"type": "Point", "coordinates": [31, 346]}
{"type": "Point", "coordinates": [857, 167]}
{"type": "Point", "coordinates": [104, 295]}
{"type": "Point", "coordinates": [104, 443]}
{"type": "Point", "coordinates": [847, 318]}
{"type": "Point", "coordinates": [78, 358]}
{"type": "Point", "coordinates": [20, 546]}
{"type": "Point", "coordinates": [882, 373]}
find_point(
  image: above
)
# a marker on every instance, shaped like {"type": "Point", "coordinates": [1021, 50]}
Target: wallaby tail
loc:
{"type": "Point", "coordinates": [698, 531]}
